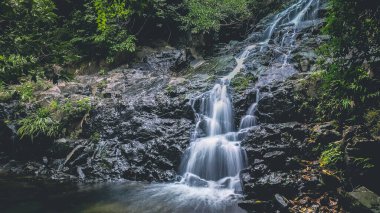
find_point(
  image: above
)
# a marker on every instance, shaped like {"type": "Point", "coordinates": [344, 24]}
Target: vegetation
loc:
{"type": "Point", "coordinates": [42, 38]}
{"type": "Point", "coordinates": [241, 83]}
{"type": "Point", "coordinates": [350, 82]}
{"type": "Point", "coordinates": [332, 157]}
{"type": "Point", "coordinates": [40, 123]}
{"type": "Point", "coordinates": [372, 118]}
{"type": "Point", "coordinates": [210, 15]}
{"type": "Point", "coordinates": [55, 119]}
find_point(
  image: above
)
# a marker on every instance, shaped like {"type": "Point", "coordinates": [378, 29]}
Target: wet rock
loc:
{"type": "Point", "coordinates": [364, 200]}
{"type": "Point", "coordinates": [325, 133]}
{"type": "Point", "coordinates": [275, 182]}
{"type": "Point", "coordinates": [281, 201]}
{"type": "Point", "coordinates": [255, 205]}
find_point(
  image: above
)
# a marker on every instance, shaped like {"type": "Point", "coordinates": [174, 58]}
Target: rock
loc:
{"type": "Point", "coordinates": [361, 157]}
{"type": "Point", "coordinates": [255, 205]}
{"type": "Point", "coordinates": [364, 200]}
{"type": "Point", "coordinates": [325, 133]}
{"type": "Point", "coordinates": [329, 179]}
{"type": "Point", "coordinates": [281, 201]}
{"type": "Point", "coordinates": [278, 105]}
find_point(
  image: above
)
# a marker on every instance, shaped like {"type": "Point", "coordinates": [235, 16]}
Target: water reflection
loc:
{"type": "Point", "coordinates": [29, 195]}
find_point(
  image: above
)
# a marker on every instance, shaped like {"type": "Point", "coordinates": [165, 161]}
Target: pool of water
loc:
{"type": "Point", "coordinates": [30, 195]}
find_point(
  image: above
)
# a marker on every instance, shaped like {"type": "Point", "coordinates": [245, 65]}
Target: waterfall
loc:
{"type": "Point", "coordinates": [215, 157]}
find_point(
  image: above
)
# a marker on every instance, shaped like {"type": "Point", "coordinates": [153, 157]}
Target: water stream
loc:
{"type": "Point", "coordinates": [215, 156]}
{"type": "Point", "coordinates": [210, 166]}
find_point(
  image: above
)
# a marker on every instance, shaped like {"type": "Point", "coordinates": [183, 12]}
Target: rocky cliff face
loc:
{"type": "Point", "coordinates": [138, 127]}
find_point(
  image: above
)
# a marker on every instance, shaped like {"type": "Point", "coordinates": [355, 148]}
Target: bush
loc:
{"type": "Point", "coordinates": [209, 15]}
{"type": "Point", "coordinates": [27, 89]}
{"type": "Point", "coordinates": [37, 124]}
{"type": "Point", "coordinates": [55, 119]}
{"type": "Point", "coordinates": [5, 93]}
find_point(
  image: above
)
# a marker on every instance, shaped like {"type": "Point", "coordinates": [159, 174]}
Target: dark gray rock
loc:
{"type": "Point", "coordinates": [361, 157]}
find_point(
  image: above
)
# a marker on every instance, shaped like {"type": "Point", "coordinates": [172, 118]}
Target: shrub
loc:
{"type": "Point", "coordinates": [76, 109]}
{"type": "Point", "coordinates": [209, 15]}
{"type": "Point", "coordinates": [348, 88]}
{"type": "Point", "coordinates": [54, 120]}
{"type": "Point", "coordinates": [27, 89]}
{"type": "Point", "coordinates": [37, 124]}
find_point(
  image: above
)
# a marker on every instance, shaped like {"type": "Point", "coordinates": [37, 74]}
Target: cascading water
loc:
{"type": "Point", "coordinates": [210, 166]}
{"type": "Point", "coordinates": [215, 156]}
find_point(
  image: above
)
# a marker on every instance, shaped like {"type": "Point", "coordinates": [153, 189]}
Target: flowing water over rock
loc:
{"type": "Point", "coordinates": [215, 157]}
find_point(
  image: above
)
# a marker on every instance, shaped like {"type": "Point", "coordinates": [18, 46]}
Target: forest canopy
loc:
{"type": "Point", "coordinates": [39, 34]}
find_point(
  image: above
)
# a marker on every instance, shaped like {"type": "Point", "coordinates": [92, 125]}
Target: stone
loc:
{"type": "Point", "coordinates": [281, 201]}
{"type": "Point", "coordinates": [364, 200]}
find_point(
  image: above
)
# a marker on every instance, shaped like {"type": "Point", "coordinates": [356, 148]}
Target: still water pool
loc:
{"type": "Point", "coordinates": [29, 195]}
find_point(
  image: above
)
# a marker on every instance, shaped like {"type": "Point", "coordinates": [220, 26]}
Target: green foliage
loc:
{"type": "Point", "coordinates": [55, 119]}
{"type": "Point", "coordinates": [73, 110]}
{"type": "Point", "coordinates": [40, 123]}
{"type": "Point", "coordinates": [26, 38]}
{"type": "Point", "coordinates": [210, 15]}
{"type": "Point", "coordinates": [332, 157]}
{"type": "Point", "coordinates": [5, 93]}
{"type": "Point", "coordinates": [372, 118]}
{"type": "Point", "coordinates": [95, 137]}
{"type": "Point", "coordinates": [170, 89]}
{"type": "Point", "coordinates": [364, 163]}
{"type": "Point", "coordinates": [27, 89]}
{"type": "Point", "coordinates": [348, 88]}
{"type": "Point", "coordinates": [241, 83]}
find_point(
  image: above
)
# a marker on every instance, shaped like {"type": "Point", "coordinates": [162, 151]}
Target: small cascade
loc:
{"type": "Point", "coordinates": [215, 157]}
{"type": "Point", "coordinates": [250, 119]}
{"type": "Point", "coordinates": [283, 30]}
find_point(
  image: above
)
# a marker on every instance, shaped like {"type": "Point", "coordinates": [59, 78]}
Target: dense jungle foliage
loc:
{"type": "Point", "coordinates": [39, 37]}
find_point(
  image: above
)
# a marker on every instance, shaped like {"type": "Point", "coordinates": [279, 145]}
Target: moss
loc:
{"type": "Point", "coordinates": [241, 83]}
{"type": "Point", "coordinates": [95, 137]}
{"type": "Point", "coordinates": [170, 89]}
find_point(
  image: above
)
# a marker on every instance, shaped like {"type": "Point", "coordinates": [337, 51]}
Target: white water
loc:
{"type": "Point", "coordinates": [211, 165]}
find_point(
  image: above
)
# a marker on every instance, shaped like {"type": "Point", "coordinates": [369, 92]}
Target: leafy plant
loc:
{"type": "Point", "coordinates": [332, 157]}
{"type": "Point", "coordinates": [27, 89]}
{"type": "Point", "coordinates": [210, 15]}
{"type": "Point", "coordinates": [348, 87]}
{"type": "Point", "coordinates": [40, 123]}
{"type": "Point", "coordinates": [95, 137]}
